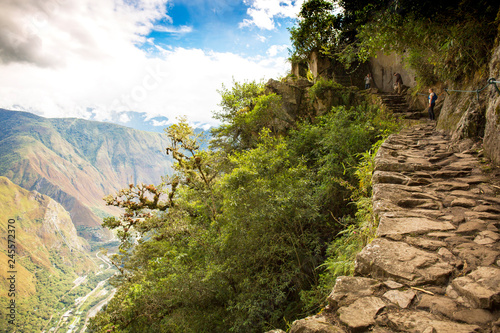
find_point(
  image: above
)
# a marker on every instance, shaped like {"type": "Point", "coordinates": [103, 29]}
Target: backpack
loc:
{"type": "Point", "coordinates": [434, 98]}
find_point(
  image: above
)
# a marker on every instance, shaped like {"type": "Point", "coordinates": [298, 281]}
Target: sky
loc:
{"type": "Point", "coordinates": [111, 60]}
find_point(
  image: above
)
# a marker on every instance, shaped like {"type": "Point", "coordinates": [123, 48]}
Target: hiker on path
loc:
{"type": "Point", "coordinates": [398, 84]}
{"type": "Point", "coordinates": [368, 80]}
{"type": "Point", "coordinates": [432, 102]}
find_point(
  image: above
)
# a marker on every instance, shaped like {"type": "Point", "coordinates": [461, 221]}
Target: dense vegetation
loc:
{"type": "Point", "coordinates": [237, 239]}
{"type": "Point", "coordinates": [440, 40]}
{"type": "Point", "coordinates": [250, 234]}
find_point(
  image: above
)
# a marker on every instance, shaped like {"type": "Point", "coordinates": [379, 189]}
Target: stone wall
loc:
{"type": "Point", "coordinates": [384, 66]}
{"type": "Point", "coordinates": [321, 66]}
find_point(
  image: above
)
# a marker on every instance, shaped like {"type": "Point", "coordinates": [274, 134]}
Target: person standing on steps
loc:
{"type": "Point", "coordinates": [432, 102]}
{"type": "Point", "coordinates": [368, 81]}
{"type": "Point", "coordinates": [398, 84]}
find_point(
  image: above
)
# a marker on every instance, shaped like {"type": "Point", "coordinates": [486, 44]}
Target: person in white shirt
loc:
{"type": "Point", "coordinates": [368, 81]}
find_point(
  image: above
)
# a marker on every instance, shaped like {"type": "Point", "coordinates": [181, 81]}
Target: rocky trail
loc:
{"type": "Point", "coordinates": [397, 104]}
{"type": "Point", "coordinates": [434, 266]}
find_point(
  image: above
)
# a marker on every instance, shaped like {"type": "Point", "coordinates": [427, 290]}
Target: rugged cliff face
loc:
{"type": "Point", "coordinates": [469, 117]}
{"type": "Point", "coordinates": [78, 162]}
{"type": "Point", "coordinates": [492, 129]}
{"type": "Point", "coordinates": [44, 230]}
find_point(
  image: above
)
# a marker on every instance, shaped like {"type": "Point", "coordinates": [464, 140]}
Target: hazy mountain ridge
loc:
{"type": "Point", "coordinates": [78, 162]}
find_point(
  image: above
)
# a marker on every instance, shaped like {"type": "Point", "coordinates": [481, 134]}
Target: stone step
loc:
{"type": "Point", "coordinates": [435, 264]}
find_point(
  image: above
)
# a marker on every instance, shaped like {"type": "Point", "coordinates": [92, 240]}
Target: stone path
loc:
{"type": "Point", "coordinates": [397, 104]}
{"type": "Point", "coordinates": [434, 266]}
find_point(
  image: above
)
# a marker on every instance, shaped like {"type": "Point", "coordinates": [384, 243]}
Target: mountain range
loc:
{"type": "Point", "coordinates": [43, 231]}
{"type": "Point", "coordinates": [77, 162]}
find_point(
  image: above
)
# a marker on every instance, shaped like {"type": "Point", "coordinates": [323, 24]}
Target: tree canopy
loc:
{"type": "Point", "coordinates": [441, 41]}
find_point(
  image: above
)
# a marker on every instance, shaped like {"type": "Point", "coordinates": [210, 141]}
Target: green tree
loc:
{"type": "Point", "coordinates": [441, 41]}
{"type": "Point", "coordinates": [271, 239]}
{"type": "Point", "coordinates": [318, 28]}
{"type": "Point", "coordinates": [246, 110]}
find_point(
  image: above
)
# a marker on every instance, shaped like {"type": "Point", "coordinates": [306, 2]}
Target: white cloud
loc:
{"type": "Point", "coordinates": [81, 60]}
{"type": "Point", "coordinates": [264, 12]}
{"type": "Point", "coordinates": [124, 118]}
{"type": "Point", "coordinates": [181, 82]}
{"type": "Point", "coordinates": [163, 123]}
{"type": "Point", "coordinates": [50, 33]}
{"type": "Point", "coordinates": [183, 29]}
{"type": "Point", "coordinates": [275, 49]}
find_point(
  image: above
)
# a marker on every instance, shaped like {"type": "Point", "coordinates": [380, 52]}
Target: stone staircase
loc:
{"type": "Point", "coordinates": [397, 104]}
{"type": "Point", "coordinates": [434, 266]}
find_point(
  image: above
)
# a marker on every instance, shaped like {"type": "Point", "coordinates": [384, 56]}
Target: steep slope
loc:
{"type": "Point", "coordinates": [434, 265]}
{"type": "Point", "coordinates": [78, 162]}
{"type": "Point", "coordinates": [43, 231]}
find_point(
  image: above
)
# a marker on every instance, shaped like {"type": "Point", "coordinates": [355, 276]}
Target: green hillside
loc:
{"type": "Point", "coordinates": [49, 255]}
{"type": "Point", "coordinates": [78, 162]}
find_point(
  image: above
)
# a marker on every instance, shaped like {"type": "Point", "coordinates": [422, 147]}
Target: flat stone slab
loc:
{"type": "Point", "coordinates": [481, 287]}
{"type": "Point", "coordinates": [475, 254]}
{"type": "Point", "coordinates": [487, 237]}
{"type": "Point", "coordinates": [350, 288]}
{"type": "Point", "coordinates": [475, 179]}
{"type": "Point", "coordinates": [393, 191]}
{"type": "Point", "coordinates": [471, 227]}
{"type": "Point", "coordinates": [420, 321]}
{"type": "Point", "coordinates": [413, 164]}
{"type": "Point", "coordinates": [361, 313]}
{"type": "Point", "coordinates": [440, 234]}
{"type": "Point", "coordinates": [474, 316]}
{"type": "Point", "coordinates": [401, 262]}
{"type": "Point", "coordinates": [463, 202]}
{"type": "Point", "coordinates": [410, 225]}
{"type": "Point", "coordinates": [447, 174]}
{"type": "Point", "coordinates": [314, 324]}
{"type": "Point", "coordinates": [474, 196]}
{"type": "Point", "coordinates": [428, 244]}
{"type": "Point", "coordinates": [481, 215]}
{"type": "Point", "coordinates": [438, 304]}
{"type": "Point", "coordinates": [401, 298]}
{"type": "Point", "coordinates": [389, 178]}
{"type": "Point", "coordinates": [451, 186]}
{"type": "Point", "coordinates": [393, 284]}
{"type": "Point", "coordinates": [487, 208]}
